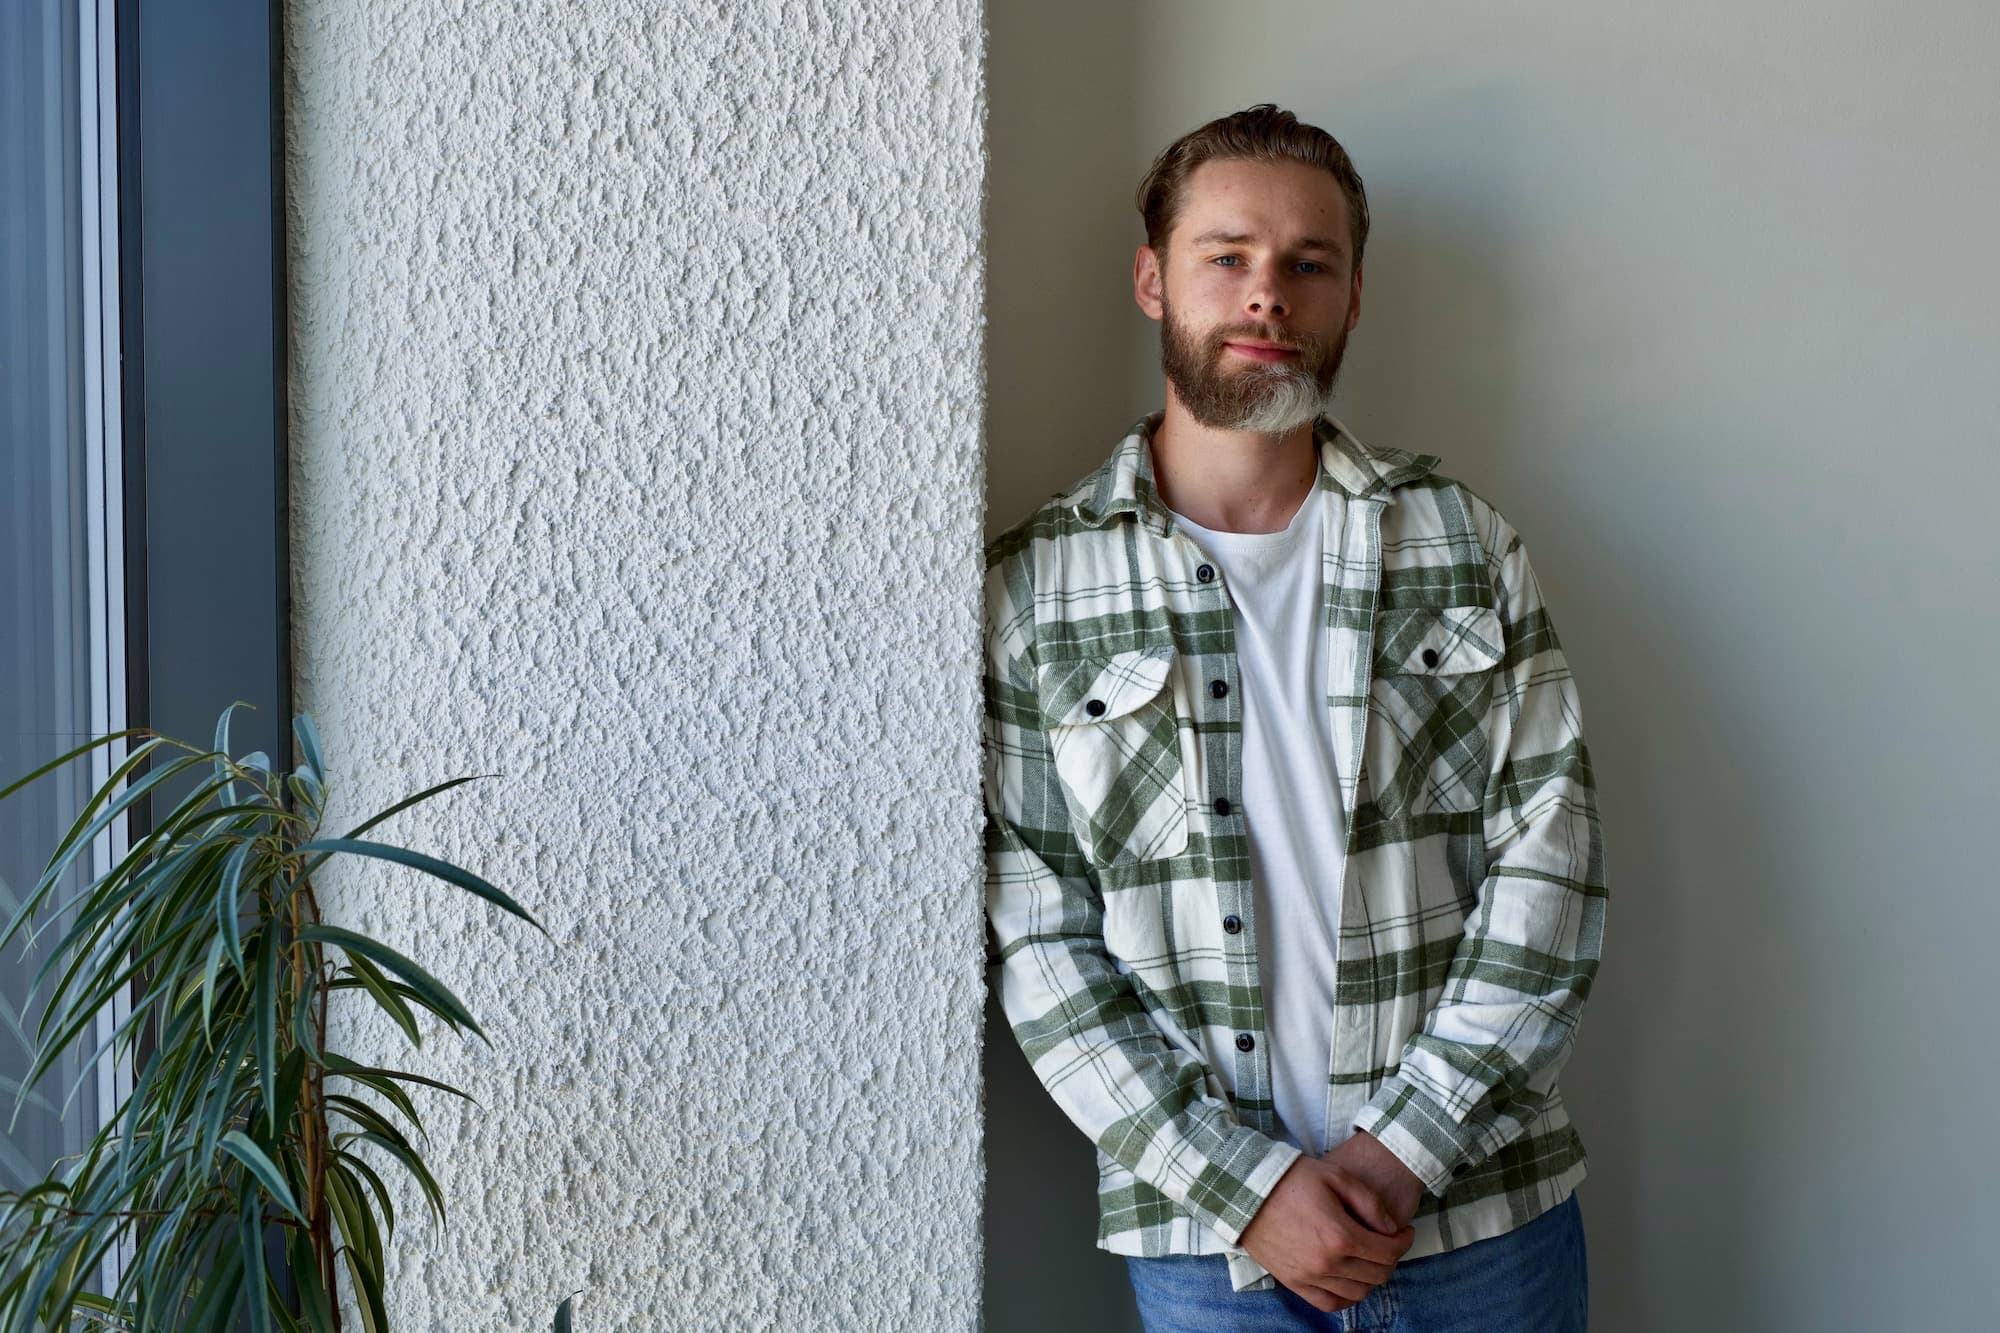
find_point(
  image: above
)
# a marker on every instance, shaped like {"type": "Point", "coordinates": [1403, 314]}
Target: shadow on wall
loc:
{"type": "Point", "coordinates": [1060, 348]}
{"type": "Point", "coordinates": [1442, 362]}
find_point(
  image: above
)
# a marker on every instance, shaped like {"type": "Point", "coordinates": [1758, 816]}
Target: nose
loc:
{"type": "Point", "coordinates": [1267, 301]}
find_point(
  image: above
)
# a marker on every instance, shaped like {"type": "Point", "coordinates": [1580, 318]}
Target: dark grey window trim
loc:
{"type": "Point", "coordinates": [203, 282]}
{"type": "Point", "coordinates": [204, 346]}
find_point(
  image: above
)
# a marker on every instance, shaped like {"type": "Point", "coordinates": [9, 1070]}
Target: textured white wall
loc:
{"type": "Point", "coordinates": [637, 458]}
{"type": "Point", "coordinates": [1702, 296]}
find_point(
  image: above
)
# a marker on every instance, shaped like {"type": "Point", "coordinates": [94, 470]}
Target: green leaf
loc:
{"type": "Point", "coordinates": [431, 992]}
{"type": "Point", "coordinates": [430, 865]}
{"type": "Point", "coordinates": [222, 762]}
{"type": "Point", "coordinates": [208, 973]}
{"type": "Point", "coordinates": [81, 834]}
{"type": "Point", "coordinates": [403, 805]}
{"type": "Point", "coordinates": [340, 1064]}
{"type": "Point", "coordinates": [308, 738]}
{"type": "Point", "coordinates": [364, 1246]}
{"type": "Point", "coordinates": [291, 1078]}
{"type": "Point", "coordinates": [387, 1088]}
{"type": "Point", "coordinates": [112, 1314]}
{"type": "Point", "coordinates": [306, 790]}
{"type": "Point", "coordinates": [314, 1302]}
{"type": "Point", "coordinates": [228, 910]}
{"type": "Point", "coordinates": [238, 1145]}
{"type": "Point", "coordinates": [253, 1253]}
{"type": "Point", "coordinates": [361, 1113]}
{"type": "Point", "coordinates": [385, 994]}
{"type": "Point", "coordinates": [368, 1293]}
{"type": "Point", "coordinates": [222, 1094]}
{"type": "Point", "coordinates": [412, 1163]}
{"type": "Point", "coordinates": [367, 1173]}
{"type": "Point", "coordinates": [267, 1023]}
{"type": "Point", "coordinates": [214, 1308]}
{"type": "Point", "coordinates": [84, 748]}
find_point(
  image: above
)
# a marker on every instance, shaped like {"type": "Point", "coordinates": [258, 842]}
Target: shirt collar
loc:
{"type": "Point", "coordinates": [1124, 482]}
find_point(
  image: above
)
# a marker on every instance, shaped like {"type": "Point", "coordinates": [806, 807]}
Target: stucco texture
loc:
{"type": "Point", "coordinates": [635, 417]}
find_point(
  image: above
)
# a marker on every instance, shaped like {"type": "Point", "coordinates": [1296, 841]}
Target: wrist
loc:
{"type": "Point", "coordinates": [1372, 1158]}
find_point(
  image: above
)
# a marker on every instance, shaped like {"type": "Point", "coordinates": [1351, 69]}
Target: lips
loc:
{"type": "Point", "coordinates": [1257, 350]}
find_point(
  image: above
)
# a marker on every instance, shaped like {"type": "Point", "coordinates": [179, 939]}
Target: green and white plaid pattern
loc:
{"type": "Point", "coordinates": [1472, 905]}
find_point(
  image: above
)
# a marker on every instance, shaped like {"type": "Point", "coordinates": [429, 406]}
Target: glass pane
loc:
{"type": "Point", "coordinates": [52, 640]}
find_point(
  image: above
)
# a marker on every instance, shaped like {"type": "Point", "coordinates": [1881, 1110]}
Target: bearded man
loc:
{"type": "Point", "coordinates": [1295, 885]}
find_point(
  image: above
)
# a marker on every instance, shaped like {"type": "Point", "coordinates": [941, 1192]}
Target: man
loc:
{"type": "Point", "coordinates": [1295, 883]}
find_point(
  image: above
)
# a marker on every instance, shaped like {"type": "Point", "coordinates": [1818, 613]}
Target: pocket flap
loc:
{"type": "Point", "coordinates": [1097, 689]}
{"type": "Point", "coordinates": [1438, 640]}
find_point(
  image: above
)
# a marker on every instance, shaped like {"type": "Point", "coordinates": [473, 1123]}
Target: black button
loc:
{"type": "Point", "coordinates": [1206, 573]}
{"type": "Point", "coordinates": [1232, 923]}
{"type": "Point", "coordinates": [1430, 657]}
{"type": "Point", "coordinates": [1217, 688]}
{"type": "Point", "coordinates": [1222, 806]}
{"type": "Point", "coordinates": [1244, 1041]}
{"type": "Point", "coordinates": [1095, 707]}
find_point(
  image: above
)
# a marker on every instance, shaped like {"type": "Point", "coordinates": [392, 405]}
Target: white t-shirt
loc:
{"type": "Point", "coordinates": [1290, 800]}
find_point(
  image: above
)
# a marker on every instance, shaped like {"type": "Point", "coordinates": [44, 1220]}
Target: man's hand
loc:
{"type": "Point", "coordinates": [1307, 1236]}
{"type": "Point", "coordinates": [1385, 1185]}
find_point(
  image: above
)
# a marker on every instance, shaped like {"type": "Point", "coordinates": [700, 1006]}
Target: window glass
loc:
{"type": "Point", "coordinates": [58, 558]}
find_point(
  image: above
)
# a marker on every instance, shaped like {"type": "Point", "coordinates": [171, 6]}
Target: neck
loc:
{"type": "Point", "coordinates": [1232, 480]}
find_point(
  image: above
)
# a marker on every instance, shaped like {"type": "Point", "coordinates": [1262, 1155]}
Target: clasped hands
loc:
{"type": "Point", "coordinates": [1334, 1227]}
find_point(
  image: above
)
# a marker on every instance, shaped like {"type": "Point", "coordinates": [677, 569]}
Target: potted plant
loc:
{"type": "Point", "coordinates": [242, 1117]}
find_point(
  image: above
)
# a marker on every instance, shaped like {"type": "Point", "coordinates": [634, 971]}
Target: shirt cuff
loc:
{"type": "Point", "coordinates": [1419, 1131]}
{"type": "Point", "coordinates": [1245, 1273]}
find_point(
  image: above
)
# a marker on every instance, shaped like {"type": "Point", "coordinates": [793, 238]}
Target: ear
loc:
{"type": "Point", "coordinates": [1354, 301]}
{"type": "Point", "coordinates": [1147, 282]}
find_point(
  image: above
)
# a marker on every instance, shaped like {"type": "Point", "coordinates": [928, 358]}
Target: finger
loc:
{"type": "Point", "coordinates": [1319, 1298]}
{"type": "Point", "coordinates": [1367, 1206]}
{"type": "Point", "coordinates": [1361, 1270]}
{"type": "Point", "coordinates": [1347, 1289]}
{"type": "Point", "coordinates": [1382, 1249]}
{"type": "Point", "coordinates": [1322, 1299]}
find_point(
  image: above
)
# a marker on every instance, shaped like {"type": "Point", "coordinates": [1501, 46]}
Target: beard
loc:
{"type": "Point", "coordinates": [1270, 397]}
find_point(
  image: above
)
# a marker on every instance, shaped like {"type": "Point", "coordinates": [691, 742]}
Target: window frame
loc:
{"type": "Point", "coordinates": [202, 406]}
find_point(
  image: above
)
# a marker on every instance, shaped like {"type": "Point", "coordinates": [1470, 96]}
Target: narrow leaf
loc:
{"type": "Point", "coordinates": [430, 865]}
{"type": "Point", "coordinates": [267, 1023]}
{"type": "Point", "coordinates": [254, 1295]}
{"type": "Point", "coordinates": [62, 759]}
{"type": "Point", "coordinates": [222, 763]}
{"type": "Point", "coordinates": [308, 738]}
{"type": "Point", "coordinates": [238, 1145]}
{"type": "Point", "coordinates": [430, 991]}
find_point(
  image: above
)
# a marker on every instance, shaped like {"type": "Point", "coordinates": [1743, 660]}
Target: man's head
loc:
{"type": "Point", "coordinates": [1252, 264]}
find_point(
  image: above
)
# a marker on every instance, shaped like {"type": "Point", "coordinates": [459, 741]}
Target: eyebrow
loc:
{"type": "Point", "coordinates": [1239, 238]}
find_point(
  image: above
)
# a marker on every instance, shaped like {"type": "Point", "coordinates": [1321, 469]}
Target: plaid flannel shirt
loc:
{"type": "Point", "coordinates": [1118, 895]}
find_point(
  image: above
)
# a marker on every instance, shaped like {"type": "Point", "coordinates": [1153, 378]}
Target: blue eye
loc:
{"type": "Point", "coordinates": [1219, 258]}
{"type": "Point", "coordinates": [1309, 264]}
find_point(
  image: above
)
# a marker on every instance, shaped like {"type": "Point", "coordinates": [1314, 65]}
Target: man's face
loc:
{"type": "Point", "coordinates": [1255, 294]}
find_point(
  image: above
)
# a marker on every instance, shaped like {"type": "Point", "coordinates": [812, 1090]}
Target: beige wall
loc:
{"type": "Point", "coordinates": [1702, 296]}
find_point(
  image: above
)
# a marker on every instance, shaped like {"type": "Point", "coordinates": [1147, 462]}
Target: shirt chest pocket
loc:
{"type": "Point", "coordinates": [1432, 686]}
{"type": "Point", "coordinates": [1114, 740]}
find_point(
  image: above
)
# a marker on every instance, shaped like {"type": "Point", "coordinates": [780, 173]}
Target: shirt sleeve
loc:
{"type": "Point", "coordinates": [1078, 1019]}
{"type": "Point", "coordinates": [1478, 1072]}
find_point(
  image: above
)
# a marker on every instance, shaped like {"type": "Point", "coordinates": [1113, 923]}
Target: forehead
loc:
{"type": "Point", "coordinates": [1279, 202]}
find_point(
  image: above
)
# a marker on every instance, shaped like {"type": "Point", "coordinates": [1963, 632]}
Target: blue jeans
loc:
{"type": "Point", "coordinates": [1528, 1280]}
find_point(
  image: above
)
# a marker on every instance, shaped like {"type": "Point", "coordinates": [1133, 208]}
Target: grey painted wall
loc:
{"type": "Point", "coordinates": [1702, 297]}
{"type": "Point", "coordinates": [637, 414]}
